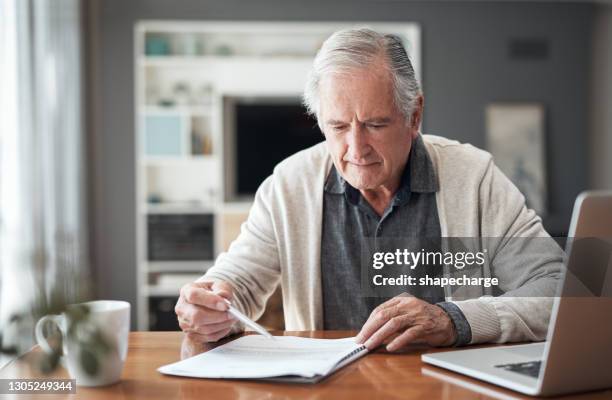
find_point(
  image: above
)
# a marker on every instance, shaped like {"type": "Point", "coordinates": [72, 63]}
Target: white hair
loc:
{"type": "Point", "coordinates": [359, 48]}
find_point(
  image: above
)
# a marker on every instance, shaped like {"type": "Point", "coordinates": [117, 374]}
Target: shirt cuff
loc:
{"type": "Point", "coordinates": [462, 326]}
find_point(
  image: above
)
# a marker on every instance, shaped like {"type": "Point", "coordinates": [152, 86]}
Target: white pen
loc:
{"type": "Point", "coordinates": [248, 321]}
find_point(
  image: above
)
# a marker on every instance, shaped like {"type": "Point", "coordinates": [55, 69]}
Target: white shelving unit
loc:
{"type": "Point", "coordinates": [184, 71]}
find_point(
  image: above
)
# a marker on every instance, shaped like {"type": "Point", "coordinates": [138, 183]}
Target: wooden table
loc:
{"type": "Point", "coordinates": [378, 375]}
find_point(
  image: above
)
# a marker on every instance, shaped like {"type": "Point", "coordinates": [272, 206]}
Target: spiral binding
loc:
{"type": "Point", "coordinates": [352, 353]}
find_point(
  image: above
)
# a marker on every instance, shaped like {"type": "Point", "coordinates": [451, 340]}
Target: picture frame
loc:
{"type": "Point", "coordinates": [515, 136]}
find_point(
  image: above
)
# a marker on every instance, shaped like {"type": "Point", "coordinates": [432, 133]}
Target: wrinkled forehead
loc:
{"type": "Point", "coordinates": [364, 92]}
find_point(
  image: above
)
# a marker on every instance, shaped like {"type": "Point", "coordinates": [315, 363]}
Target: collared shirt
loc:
{"type": "Point", "coordinates": [351, 228]}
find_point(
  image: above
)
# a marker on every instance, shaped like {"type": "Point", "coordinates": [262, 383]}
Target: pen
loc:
{"type": "Point", "coordinates": [248, 321]}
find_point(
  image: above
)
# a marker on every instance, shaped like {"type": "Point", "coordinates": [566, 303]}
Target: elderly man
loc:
{"type": "Point", "coordinates": [375, 176]}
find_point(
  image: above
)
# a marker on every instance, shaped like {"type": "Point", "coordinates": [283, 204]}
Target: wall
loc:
{"type": "Point", "coordinates": [601, 99]}
{"type": "Point", "coordinates": [465, 67]}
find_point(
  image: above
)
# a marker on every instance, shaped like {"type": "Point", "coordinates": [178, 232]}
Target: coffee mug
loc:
{"type": "Point", "coordinates": [112, 320]}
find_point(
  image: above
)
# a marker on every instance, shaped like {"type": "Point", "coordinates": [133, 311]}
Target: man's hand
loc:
{"type": "Point", "coordinates": [413, 319]}
{"type": "Point", "coordinates": [202, 310]}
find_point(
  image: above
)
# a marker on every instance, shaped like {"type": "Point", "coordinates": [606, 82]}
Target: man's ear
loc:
{"type": "Point", "coordinates": [417, 115]}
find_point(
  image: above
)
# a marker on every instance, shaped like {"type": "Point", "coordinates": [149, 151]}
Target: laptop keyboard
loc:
{"type": "Point", "coordinates": [531, 368]}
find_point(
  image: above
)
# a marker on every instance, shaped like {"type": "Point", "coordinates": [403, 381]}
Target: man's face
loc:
{"type": "Point", "coordinates": [368, 138]}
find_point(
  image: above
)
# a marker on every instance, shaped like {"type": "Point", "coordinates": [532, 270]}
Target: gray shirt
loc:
{"type": "Point", "coordinates": [352, 230]}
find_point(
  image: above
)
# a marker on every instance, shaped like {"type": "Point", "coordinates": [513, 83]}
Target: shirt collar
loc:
{"type": "Point", "coordinates": [423, 178]}
{"type": "Point", "coordinates": [419, 177]}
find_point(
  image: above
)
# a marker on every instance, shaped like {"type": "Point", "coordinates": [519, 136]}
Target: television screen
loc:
{"type": "Point", "coordinates": [266, 132]}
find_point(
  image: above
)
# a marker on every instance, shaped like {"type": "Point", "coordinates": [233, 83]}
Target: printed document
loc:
{"type": "Point", "coordinates": [284, 358]}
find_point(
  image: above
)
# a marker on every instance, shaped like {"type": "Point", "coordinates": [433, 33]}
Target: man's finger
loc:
{"type": "Point", "coordinates": [184, 325]}
{"type": "Point", "coordinates": [387, 304]}
{"type": "Point", "coordinates": [210, 329]}
{"type": "Point", "coordinates": [408, 336]}
{"type": "Point", "coordinates": [206, 338]}
{"type": "Point", "coordinates": [195, 337]}
{"type": "Point", "coordinates": [392, 302]}
{"type": "Point", "coordinates": [197, 295]}
{"type": "Point", "coordinates": [197, 315]}
{"type": "Point", "coordinates": [377, 320]}
{"type": "Point", "coordinates": [218, 335]}
{"type": "Point", "coordinates": [223, 289]}
{"type": "Point", "coordinates": [391, 327]}
{"type": "Point", "coordinates": [204, 284]}
{"type": "Point", "coordinates": [373, 322]}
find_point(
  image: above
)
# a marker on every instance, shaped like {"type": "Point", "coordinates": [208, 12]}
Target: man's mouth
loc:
{"type": "Point", "coordinates": [366, 164]}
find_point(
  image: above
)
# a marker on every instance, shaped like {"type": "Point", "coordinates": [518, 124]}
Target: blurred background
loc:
{"type": "Point", "coordinates": [135, 133]}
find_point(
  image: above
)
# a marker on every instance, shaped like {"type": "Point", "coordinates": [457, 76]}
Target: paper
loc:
{"type": "Point", "coordinates": [254, 357]}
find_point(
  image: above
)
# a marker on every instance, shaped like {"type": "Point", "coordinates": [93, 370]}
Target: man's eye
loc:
{"type": "Point", "coordinates": [376, 126]}
{"type": "Point", "coordinates": [338, 128]}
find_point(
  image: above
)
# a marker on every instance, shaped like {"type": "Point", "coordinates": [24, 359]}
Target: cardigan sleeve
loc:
{"type": "Point", "coordinates": [251, 264]}
{"type": "Point", "coordinates": [526, 260]}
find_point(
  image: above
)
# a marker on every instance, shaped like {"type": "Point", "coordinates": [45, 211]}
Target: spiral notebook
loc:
{"type": "Point", "coordinates": [282, 359]}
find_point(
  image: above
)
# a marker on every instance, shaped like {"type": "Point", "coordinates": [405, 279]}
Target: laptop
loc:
{"type": "Point", "coordinates": [577, 355]}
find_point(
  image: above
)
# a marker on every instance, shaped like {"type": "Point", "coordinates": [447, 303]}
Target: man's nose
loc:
{"type": "Point", "coordinates": [357, 141]}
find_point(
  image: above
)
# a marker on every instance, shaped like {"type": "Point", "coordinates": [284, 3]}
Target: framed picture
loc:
{"type": "Point", "coordinates": [515, 138]}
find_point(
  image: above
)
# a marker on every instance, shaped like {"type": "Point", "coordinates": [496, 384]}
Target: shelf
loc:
{"type": "Point", "coordinates": [171, 61]}
{"type": "Point", "coordinates": [159, 291]}
{"type": "Point", "coordinates": [177, 208]}
{"type": "Point", "coordinates": [175, 60]}
{"type": "Point", "coordinates": [196, 158]}
{"type": "Point", "coordinates": [169, 284]}
{"type": "Point", "coordinates": [202, 110]}
{"type": "Point", "coordinates": [236, 207]}
{"type": "Point", "coordinates": [177, 266]}
{"type": "Point", "coordinates": [186, 208]}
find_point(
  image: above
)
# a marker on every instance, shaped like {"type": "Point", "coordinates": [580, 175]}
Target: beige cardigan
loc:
{"type": "Point", "coordinates": [281, 241]}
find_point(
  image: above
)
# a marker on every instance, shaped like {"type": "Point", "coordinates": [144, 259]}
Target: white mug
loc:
{"type": "Point", "coordinates": [112, 319]}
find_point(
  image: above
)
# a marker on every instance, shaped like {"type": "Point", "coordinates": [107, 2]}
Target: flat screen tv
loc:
{"type": "Point", "coordinates": [266, 131]}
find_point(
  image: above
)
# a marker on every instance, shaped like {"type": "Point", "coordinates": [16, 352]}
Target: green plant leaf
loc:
{"type": "Point", "coordinates": [11, 350]}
